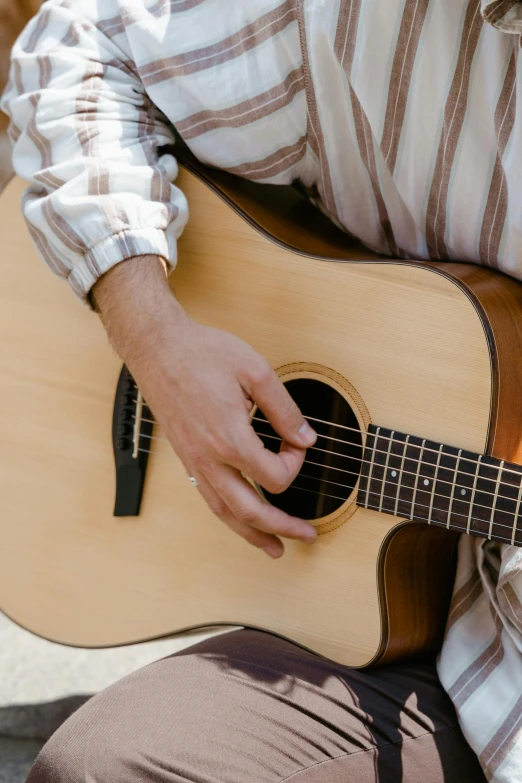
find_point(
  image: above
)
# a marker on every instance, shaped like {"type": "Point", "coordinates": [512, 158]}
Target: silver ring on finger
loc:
{"type": "Point", "coordinates": [193, 480]}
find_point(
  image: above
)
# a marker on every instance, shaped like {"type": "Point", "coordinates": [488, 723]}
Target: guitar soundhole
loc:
{"type": "Point", "coordinates": [331, 468]}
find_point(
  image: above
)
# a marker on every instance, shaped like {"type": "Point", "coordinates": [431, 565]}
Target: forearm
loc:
{"type": "Point", "coordinates": [137, 307]}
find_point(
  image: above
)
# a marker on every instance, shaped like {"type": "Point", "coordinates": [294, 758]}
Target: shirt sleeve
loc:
{"type": "Point", "coordinates": [86, 136]}
{"type": "Point", "coordinates": [505, 15]}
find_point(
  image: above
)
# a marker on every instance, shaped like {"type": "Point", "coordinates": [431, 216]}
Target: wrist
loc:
{"type": "Point", "coordinates": [136, 304]}
{"type": "Point", "coordinates": [125, 280]}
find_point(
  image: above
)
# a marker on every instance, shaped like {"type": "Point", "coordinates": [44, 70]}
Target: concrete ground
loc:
{"type": "Point", "coordinates": [42, 683]}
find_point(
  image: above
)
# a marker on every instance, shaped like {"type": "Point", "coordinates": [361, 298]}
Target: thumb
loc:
{"type": "Point", "coordinates": [270, 395]}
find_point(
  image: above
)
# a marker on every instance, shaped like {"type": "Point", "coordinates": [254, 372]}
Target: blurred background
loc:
{"type": "Point", "coordinates": [14, 14]}
{"type": "Point", "coordinates": [42, 683]}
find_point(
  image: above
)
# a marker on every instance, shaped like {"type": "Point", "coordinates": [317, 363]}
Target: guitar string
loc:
{"type": "Point", "coordinates": [390, 497]}
{"type": "Point", "coordinates": [384, 437]}
{"type": "Point", "coordinates": [305, 462]}
{"type": "Point", "coordinates": [412, 519]}
{"type": "Point", "coordinates": [436, 480]}
{"type": "Point", "coordinates": [381, 451]}
{"type": "Point", "coordinates": [383, 482]}
{"type": "Point", "coordinates": [454, 527]}
{"type": "Point", "coordinates": [445, 511]}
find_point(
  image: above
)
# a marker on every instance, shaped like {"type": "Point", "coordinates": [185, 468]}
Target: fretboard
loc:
{"type": "Point", "coordinates": [424, 481]}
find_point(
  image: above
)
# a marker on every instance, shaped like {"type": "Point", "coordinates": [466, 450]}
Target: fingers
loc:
{"type": "Point", "coordinates": [234, 500]}
{"type": "Point", "coordinates": [202, 389]}
{"type": "Point", "coordinates": [273, 472]}
{"type": "Point", "coordinates": [267, 390]}
{"type": "Point", "coordinates": [268, 543]}
{"type": "Point", "coordinates": [248, 508]}
{"type": "Point", "coordinates": [271, 545]}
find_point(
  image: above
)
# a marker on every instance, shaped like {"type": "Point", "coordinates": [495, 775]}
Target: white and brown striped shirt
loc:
{"type": "Point", "coordinates": [406, 115]}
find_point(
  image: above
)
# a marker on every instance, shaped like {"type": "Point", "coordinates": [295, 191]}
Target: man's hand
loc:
{"type": "Point", "coordinates": [201, 383]}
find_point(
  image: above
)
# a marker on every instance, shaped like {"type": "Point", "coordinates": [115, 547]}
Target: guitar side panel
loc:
{"type": "Point", "coordinates": [498, 299]}
{"type": "Point", "coordinates": [416, 573]}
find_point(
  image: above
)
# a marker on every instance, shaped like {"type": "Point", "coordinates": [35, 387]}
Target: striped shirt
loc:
{"type": "Point", "coordinates": [403, 115]}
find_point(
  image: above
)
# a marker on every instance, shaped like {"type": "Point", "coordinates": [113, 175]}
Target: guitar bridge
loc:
{"type": "Point", "coordinates": [131, 432]}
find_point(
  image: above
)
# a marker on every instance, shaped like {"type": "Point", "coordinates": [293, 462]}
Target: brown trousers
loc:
{"type": "Point", "coordinates": [247, 707]}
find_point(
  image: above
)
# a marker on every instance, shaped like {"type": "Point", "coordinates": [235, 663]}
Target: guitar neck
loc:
{"type": "Point", "coordinates": [425, 481]}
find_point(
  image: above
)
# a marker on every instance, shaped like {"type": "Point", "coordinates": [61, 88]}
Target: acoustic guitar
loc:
{"type": "Point", "coordinates": [409, 371]}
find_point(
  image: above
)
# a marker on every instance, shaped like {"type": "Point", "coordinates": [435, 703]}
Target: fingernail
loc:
{"type": "Point", "coordinates": [308, 435]}
{"type": "Point", "coordinates": [272, 551]}
{"type": "Point", "coordinates": [309, 536]}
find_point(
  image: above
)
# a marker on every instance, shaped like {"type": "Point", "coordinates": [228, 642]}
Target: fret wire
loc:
{"type": "Point", "coordinates": [436, 508]}
{"type": "Point", "coordinates": [409, 472]}
{"type": "Point", "coordinates": [390, 497]}
{"type": "Point", "coordinates": [460, 529]}
{"type": "Point", "coordinates": [371, 464]}
{"type": "Point", "coordinates": [434, 483]}
{"type": "Point", "coordinates": [386, 437]}
{"type": "Point", "coordinates": [515, 528]}
{"type": "Point", "coordinates": [400, 474]}
{"type": "Point", "coordinates": [386, 466]}
{"type": "Point", "coordinates": [473, 493]}
{"type": "Point", "coordinates": [495, 499]}
{"type": "Point", "coordinates": [417, 475]}
{"type": "Point", "coordinates": [453, 485]}
{"type": "Point", "coordinates": [353, 429]}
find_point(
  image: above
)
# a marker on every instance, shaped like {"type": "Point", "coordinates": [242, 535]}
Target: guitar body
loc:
{"type": "Point", "coordinates": [426, 349]}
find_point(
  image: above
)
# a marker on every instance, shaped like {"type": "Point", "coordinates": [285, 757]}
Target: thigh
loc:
{"type": "Point", "coordinates": [247, 706]}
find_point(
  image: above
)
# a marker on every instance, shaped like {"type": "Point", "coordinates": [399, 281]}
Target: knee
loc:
{"type": "Point", "coordinates": [130, 731]}
{"type": "Point", "coordinates": [85, 748]}
{"type": "Point", "coordinates": [164, 721]}
{"type": "Point", "coordinates": [73, 754]}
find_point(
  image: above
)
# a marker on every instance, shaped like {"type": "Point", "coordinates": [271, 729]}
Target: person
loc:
{"type": "Point", "coordinates": [404, 118]}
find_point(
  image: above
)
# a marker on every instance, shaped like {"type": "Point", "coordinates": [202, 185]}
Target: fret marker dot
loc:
{"type": "Point", "coordinates": [394, 473]}
{"type": "Point", "coordinates": [462, 491]}
{"type": "Point", "coordinates": [426, 482]}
